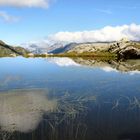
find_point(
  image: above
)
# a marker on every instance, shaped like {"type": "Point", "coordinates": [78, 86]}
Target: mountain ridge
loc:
{"type": "Point", "coordinates": [121, 49]}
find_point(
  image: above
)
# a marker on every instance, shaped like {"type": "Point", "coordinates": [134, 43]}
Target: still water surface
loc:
{"type": "Point", "coordinates": [69, 99]}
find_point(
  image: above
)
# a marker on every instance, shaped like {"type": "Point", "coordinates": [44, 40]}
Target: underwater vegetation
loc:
{"type": "Point", "coordinates": [23, 110]}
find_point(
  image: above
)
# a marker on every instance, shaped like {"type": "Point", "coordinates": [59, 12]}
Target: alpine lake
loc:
{"type": "Point", "coordinates": [69, 99]}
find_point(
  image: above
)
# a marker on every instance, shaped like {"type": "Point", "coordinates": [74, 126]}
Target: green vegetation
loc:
{"type": "Point", "coordinates": [4, 52]}
{"type": "Point", "coordinates": [21, 50]}
{"type": "Point", "coordinates": [103, 56]}
{"type": "Point", "coordinates": [28, 55]}
{"type": "Point", "coordinates": [86, 54]}
{"type": "Point", "coordinates": [10, 51]}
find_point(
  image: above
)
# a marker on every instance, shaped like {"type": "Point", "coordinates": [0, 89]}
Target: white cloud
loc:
{"type": "Point", "coordinates": [25, 3]}
{"type": "Point", "coordinates": [108, 33]}
{"type": "Point", "coordinates": [8, 18]}
{"type": "Point", "coordinates": [63, 62]}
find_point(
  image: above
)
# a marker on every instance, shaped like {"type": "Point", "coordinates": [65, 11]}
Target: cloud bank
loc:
{"type": "Point", "coordinates": [106, 34]}
{"type": "Point", "coordinates": [25, 3]}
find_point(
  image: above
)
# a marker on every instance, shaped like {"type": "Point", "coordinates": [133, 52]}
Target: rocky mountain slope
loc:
{"type": "Point", "coordinates": [123, 48]}
{"type": "Point", "coordinates": [65, 48]}
{"type": "Point", "coordinates": [7, 50]}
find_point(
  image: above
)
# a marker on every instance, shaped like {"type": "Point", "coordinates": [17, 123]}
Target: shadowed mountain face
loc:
{"type": "Point", "coordinates": [7, 50]}
{"type": "Point", "coordinates": [64, 49]}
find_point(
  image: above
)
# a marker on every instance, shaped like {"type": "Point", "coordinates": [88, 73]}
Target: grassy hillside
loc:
{"type": "Point", "coordinates": [7, 50]}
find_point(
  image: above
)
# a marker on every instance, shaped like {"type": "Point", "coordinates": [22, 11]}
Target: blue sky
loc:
{"type": "Point", "coordinates": [25, 23]}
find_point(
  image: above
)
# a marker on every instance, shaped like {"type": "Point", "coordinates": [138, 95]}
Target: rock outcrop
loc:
{"type": "Point", "coordinates": [126, 49]}
{"type": "Point", "coordinates": [90, 47]}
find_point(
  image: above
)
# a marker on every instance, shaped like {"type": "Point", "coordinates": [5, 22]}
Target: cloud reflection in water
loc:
{"type": "Point", "coordinates": [22, 110]}
{"type": "Point", "coordinates": [63, 62]}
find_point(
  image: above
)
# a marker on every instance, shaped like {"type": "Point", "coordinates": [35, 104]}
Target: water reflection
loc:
{"type": "Point", "coordinates": [8, 79]}
{"type": "Point", "coordinates": [63, 62]}
{"type": "Point", "coordinates": [111, 65]}
{"type": "Point", "coordinates": [130, 66]}
{"type": "Point", "coordinates": [85, 99]}
{"type": "Point", "coordinates": [25, 112]}
{"type": "Point", "coordinates": [22, 110]}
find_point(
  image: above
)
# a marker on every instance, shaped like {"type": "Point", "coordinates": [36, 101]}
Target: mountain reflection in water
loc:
{"type": "Point", "coordinates": [69, 99]}
{"type": "Point", "coordinates": [131, 65]}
